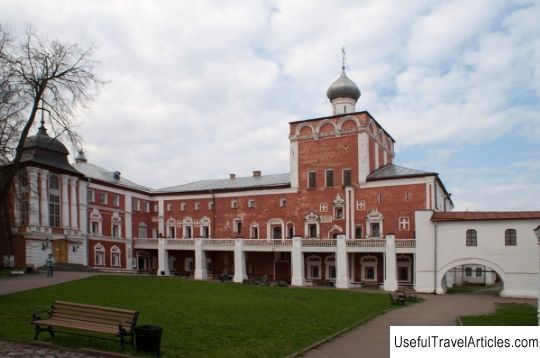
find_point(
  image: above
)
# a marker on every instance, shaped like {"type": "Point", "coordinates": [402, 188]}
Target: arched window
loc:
{"type": "Point", "coordinates": [99, 255]}
{"type": "Point", "coordinates": [471, 238]}
{"type": "Point", "coordinates": [54, 201]}
{"type": "Point", "coordinates": [314, 267]}
{"type": "Point", "coordinates": [510, 237]}
{"type": "Point", "coordinates": [143, 230]}
{"type": "Point", "coordinates": [115, 256]}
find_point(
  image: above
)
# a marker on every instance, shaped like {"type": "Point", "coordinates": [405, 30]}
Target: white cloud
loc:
{"type": "Point", "coordinates": [200, 89]}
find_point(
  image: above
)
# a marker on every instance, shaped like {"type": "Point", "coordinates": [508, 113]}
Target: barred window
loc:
{"type": "Point", "coordinates": [471, 238]}
{"type": "Point", "coordinates": [510, 237]}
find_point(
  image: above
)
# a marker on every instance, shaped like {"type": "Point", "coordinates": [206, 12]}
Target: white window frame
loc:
{"type": "Point", "coordinates": [282, 202]}
{"type": "Point", "coordinates": [360, 205]}
{"type": "Point", "coordinates": [314, 261]}
{"type": "Point", "coordinates": [234, 204]}
{"type": "Point", "coordinates": [323, 207]}
{"type": "Point", "coordinates": [197, 206]}
{"type": "Point", "coordinates": [103, 198]}
{"type": "Point", "coordinates": [99, 249]}
{"type": "Point", "coordinates": [251, 203]}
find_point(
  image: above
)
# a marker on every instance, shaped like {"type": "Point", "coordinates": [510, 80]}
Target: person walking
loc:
{"type": "Point", "coordinates": [50, 265]}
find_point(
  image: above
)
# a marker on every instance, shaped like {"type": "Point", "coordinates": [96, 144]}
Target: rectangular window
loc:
{"type": "Point", "coordinates": [323, 207]}
{"type": "Point", "coordinates": [95, 228]}
{"type": "Point", "coordinates": [103, 198]}
{"type": "Point", "coordinates": [404, 224]}
{"type": "Point", "coordinates": [100, 260]}
{"type": "Point", "coordinates": [254, 232]}
{"type": "Point", "coordinates": [182, 206]}
{"type": "Point", "coordinates": [347, 178]}
{"type": "Point", "coordinates": [358, 232]}
{"type": "Point", "coordinates": [115, 231]}
{"type": "Point", "coordinates": [282, 202]}
{"type": "Point", "coordinates": [156, 208]}
{"type": "Point", "coordinates": [329, 178]}
{"type": "Point", "coordinates": [146, 207]}
{"type": "Point", "coordinates": [169, 207]}
{"type": "Point", "coordinates": [54, 210]}
{"type": "Point", "coordinates": [234, 204]}
{"type": "Point", "coordinates": [338, 213]}
{"type": "Point", "coordinates": [312, 231]}
{"type": "Point", "coordinates": [408, 196]}
{"type": "Point", "coordinates": [251, 203]}
{"type": "Point", "coordinates": [116, 200]}
{"type": "Point", "coordinates": [361, 205]}
{"type": "Point", "coordinates": [91, 196]}
{"type": "Point", "coordinates": [375, 229]}
{"type": "Point", "coordinates": [471, 238]}
{"type": "Point", "coordinates": [312, 180]}
{"type": "Point", "coordinates": [210, 205]}
{"type": "Point", "coordinates": [379, 198]}
{"type": "Point", "coordinates": [468, 271]}
{"type": "Point", "coordinates": [137, 205]}
{"type": "Point", "coordinates": [197, 206]}
{"type": "Point", "coordinates": [478, 272]}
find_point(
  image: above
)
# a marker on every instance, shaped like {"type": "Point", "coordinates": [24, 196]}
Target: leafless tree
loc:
{"type": "Point", "coordinates": [37, 73]}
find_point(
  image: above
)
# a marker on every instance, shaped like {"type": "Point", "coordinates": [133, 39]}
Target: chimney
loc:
{"type": "Point", "coordinates": [232, 176]}
{"type": "Point", "coordinates": [116, 175]}
{"type": "Point", "coordinates": [256, 173]}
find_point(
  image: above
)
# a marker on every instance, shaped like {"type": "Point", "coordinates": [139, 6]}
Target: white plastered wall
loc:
{"type": "Point", "coordinates": [440, 246]}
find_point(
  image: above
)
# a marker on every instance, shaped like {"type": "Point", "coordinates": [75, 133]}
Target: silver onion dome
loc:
{"type": "Point", "coordinates": [343, 87]}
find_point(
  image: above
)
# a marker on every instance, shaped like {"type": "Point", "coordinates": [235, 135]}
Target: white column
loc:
{"type": "Point", "coordinates": [33, 200]}
{"type": "Point", "coordinates": [363, 157]}
{"type": "Point", "coordinates": [83, 206]}
{"type": "Point", "coordinates": [390, 281]}
{"type": "Point", "coordinates": [239, 261]}
{"type": "Point", "coordinates": [297, 263]}
{"type": "Point", "coordinates": [73, 203]}
{"type": "Point", "coordinates": [342, 263]}
{"type": "Point", "coordinates": [128, 231]}
{"type": "Point", "coordinates": [43, 202]}
{"type": "Point", "coordinates": [83, 218]}
{"type": "Point", "coordinates": [163, 259]}
{"type": "Point", "coordinates": [349, 212]}
{"type": "Point", "coordinates": [161, 215]}
{"type": "Point", "coordinates": [65, 202]}
{"type": "Point", "coordinates": [200, 261]}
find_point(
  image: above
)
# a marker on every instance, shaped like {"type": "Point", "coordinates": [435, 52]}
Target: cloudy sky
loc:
{"type": "Point", "coordinates": [201, 89]}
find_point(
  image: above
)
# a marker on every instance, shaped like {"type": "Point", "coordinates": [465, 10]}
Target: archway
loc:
{"type": "Point", "coordinates": [471, 271]}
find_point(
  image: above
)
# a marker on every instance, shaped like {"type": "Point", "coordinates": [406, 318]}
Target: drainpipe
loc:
{"type": "Point", "coordinates": [435, 258]}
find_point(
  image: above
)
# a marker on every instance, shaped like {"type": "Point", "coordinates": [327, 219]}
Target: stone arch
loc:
{"type": "Point", "coordinates": [335, 230]}
{"type": "Point", "coordinates": [468, 261]}
{"type": "Point", "coordinates": [305, 130]}
{"type": "Point", "coordinates": [326, 127]}
{"type": "Point", "coordinates": [348, 124]}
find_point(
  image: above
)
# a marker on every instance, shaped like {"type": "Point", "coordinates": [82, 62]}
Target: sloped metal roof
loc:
{"type": "Point", "coordinates": [391, 171]}
{"type": "Point", "coordinates": [94, 172]}
{"type": "Point", "coordinates": [263, 181]}
{"type": "Point", "coordinates": [484, 215]}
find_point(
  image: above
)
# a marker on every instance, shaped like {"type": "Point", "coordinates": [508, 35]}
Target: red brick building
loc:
{"type": "Point", "coordinates": [344, 214]}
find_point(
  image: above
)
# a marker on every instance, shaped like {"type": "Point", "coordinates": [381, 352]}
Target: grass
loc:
{"type": "Point", "coordinates": [506, 314]}
{"type": "Point", "coordinates": [466, 288]}
{"type": "Point", "coordinates": [203, 319]}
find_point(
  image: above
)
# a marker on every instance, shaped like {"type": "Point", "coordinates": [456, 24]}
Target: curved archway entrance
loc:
{"type": "Point", "coordinates": [471, 274]}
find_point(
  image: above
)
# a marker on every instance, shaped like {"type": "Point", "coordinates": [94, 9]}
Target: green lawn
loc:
{"type": "Point", "coordinates": [203, 319]}
{"type": "Point", "coordinates": [507, 314]}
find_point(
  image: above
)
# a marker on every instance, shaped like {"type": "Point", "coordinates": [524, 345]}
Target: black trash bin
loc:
{"type": "Point", "coordinates": [148, 338]}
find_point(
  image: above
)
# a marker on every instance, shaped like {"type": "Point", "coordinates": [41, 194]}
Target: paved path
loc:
{"type": "Point", "coordinates": [372, 339]}
{"type": "Point", "coordinates": [17, 283]}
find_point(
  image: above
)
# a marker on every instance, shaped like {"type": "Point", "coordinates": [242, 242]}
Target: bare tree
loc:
{"type": "Point", "coordinates": [34, 74]}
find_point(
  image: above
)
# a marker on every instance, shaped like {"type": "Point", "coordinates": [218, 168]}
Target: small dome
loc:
{"type": "Point", "coordinates": [343, 87]}
{"type": "Point", "coordinates": [43, 141]}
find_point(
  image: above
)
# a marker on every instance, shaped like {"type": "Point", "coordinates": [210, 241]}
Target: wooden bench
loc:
{"type": "Point", "coordinates": [77, 316]}
{"type": "Point", "coordinates": [397, 298]}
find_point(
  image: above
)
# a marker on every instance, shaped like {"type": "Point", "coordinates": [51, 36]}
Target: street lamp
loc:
{"type": "Point", "coordinates": [537, 233]}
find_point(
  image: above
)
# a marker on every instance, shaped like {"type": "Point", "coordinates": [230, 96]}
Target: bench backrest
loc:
{"type": "Point", "coordinates": [94, 314]}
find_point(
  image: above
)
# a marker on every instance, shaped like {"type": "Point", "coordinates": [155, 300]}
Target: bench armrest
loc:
{"type": "Point", "coordinates": [122, 326]}
{"type": "Point", "coordinates": [37, 315]}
